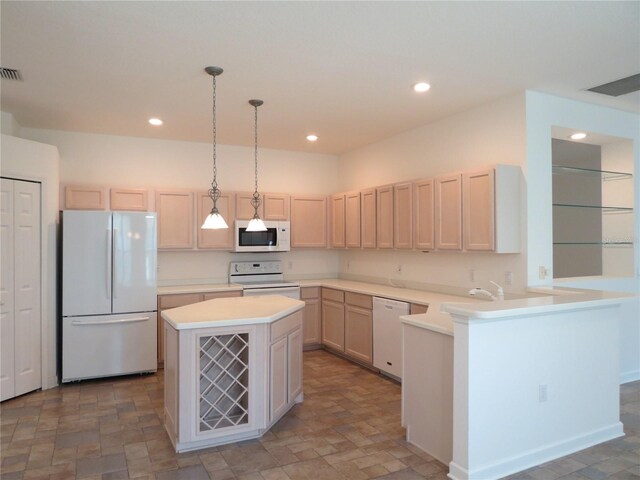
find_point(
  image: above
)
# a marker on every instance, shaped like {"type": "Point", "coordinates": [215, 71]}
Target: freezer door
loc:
{"type": "Point", "coordinates": [105, 345]}
{"type": "Point", "coordinates": [134, 262]}
{"type": "Point", "coordinates": [86, 262]}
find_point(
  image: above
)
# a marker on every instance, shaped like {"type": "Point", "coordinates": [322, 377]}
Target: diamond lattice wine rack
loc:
{"type": "Point", "coordinates": [224, 381]}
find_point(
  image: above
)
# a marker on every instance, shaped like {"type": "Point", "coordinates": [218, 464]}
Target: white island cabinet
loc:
{"type": "Point", "coordinates": [233, 367]}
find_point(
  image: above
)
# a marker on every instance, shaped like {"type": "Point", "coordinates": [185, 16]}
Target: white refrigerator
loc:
{"type": "Point", "coordinates": [109, 321]}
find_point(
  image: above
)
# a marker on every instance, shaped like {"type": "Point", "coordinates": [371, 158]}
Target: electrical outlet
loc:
{"type": "Point", "coordinates": [508, 278]}
{"type": "Point", "coordinates": [542, 393]}
{"type": "Point", "coordinates": [542, 272]}
{"type": "Point", "coordinates": [399, 269]}
{"type": "Point", "coordinates": [472, 274]}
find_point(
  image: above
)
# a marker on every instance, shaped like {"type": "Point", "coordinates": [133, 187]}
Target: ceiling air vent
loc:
{"type": "Point", "coordinates": [619, 87]}
{"type": "Point", "coordinates": [10, 74]}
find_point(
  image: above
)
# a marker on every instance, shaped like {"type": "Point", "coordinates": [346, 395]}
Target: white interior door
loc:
{"type": "Point", "coordinates": [134, 262]}
{"type": "Point", "coordinates": [27, 354]}
{"type": "Point", "coordinates": [86, 263]}
{"type": "Point", "coordinates": [7, 366]}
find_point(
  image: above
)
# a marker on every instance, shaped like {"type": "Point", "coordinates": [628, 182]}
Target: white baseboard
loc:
{"type": "Point", "coordinates": [632, 376]}
{"type": "Point", "coordinates": [537, 456]}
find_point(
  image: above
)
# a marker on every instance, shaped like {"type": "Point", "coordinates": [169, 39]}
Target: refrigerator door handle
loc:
{"type": "Point", "coordinates": [108, 269]}
{"type": "Point", "coordinates": [105, 322]}
{"type": "Point", "coordinates": [115, 266]}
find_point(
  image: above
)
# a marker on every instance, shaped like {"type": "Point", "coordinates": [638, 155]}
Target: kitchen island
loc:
{"type": "Point", "coordinates": [233, 368]}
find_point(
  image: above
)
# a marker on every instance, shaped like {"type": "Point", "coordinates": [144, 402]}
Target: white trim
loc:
{"type": "Point", "coordinates": [538, 456]}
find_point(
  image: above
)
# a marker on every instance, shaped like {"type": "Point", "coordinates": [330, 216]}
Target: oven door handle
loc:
{"type": "Point", "coordinates": [270, 289]}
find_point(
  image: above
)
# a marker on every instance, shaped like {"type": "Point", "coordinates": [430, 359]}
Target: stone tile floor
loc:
{"type": "Point", "coordinates": [347, 428]}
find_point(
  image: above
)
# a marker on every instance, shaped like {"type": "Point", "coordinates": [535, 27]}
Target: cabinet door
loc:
{"type": "Point", "coordinates": [308, 221]}
{"type": "Point", "coordinates": [175, 218]}
{"type": "Point", "coordinates": [294, 364]}
{"type": "Point", "coordinates": [278, 373]}
{"type": "Point", "coordinates": [352, 220]}
{"type": "Point", "coordinates": [276, 206]}
{"type": "Point", "coordinates": [449, 212]}
{"type": "Point", "coordinates": [232, 293]}
{"type": "Point", "coordinates": [312, 321]}
{"type": "Point", "coordinates": [171, 301]}
{"type": "Point", "coordinates": [423, 215]}
{"type": "Point", "coordinates": [368, 218]}
{"type": "Point", "coordinates": [221, 239]}
{"type": "Point", "coordinates": [136, 199]}
{"type": "Point", "coordinates": [333, 324]}
{"type": "Point", "coordinates": [478, 210]}
{"type": "Point", "coordinates": [337, 221]}
{"type": "Point", "coordinates": [384, 216]}
{"type": "Point", "coordinates": [82, 197]}
{"type": "Point", "coordinates": [402, 216]}
{"type": "Point", "coordinates": [358, 333]}
{"type": "Point", "coordinates": [244, 210]}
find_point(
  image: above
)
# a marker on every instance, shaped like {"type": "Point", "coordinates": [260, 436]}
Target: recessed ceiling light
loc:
{"type": "Point", "coordinates": [312, 138]}
{"type": "Point", "coordinates": [421, 87]}
{"type": "Point", "coordinates": [578, 136]}
{"type": "Point", "coordinates": [155, 121]}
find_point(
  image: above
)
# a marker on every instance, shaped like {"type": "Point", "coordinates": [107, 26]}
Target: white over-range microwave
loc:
{"type": "Point", "coordinates": [274, 239]}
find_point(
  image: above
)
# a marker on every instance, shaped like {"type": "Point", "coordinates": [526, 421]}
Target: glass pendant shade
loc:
{"type": "Point", "coordinates": [214, 221]}
{"type": "Point", "coordinates": [256, 225]}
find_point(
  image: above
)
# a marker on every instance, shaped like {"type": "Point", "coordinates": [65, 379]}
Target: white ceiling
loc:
{"type": "Point", "coordinates": [342, 70]}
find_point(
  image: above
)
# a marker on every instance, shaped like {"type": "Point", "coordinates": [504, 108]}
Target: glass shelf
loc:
{"type": "Point", "coordinates": [605, 209]}
{"type": "Point", "coordinates": [606, 175]}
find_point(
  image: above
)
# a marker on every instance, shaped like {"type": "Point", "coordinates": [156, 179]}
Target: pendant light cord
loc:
{"type": "Point", "coordinates": [214, 183]}
{"type": "Point", "coordinates": [255, 108]}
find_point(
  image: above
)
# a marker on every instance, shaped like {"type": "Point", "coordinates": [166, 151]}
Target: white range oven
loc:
{"type": "Point", "coordinates": [262, 278]}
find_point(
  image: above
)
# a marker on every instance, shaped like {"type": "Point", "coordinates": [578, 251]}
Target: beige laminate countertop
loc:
{"type": "Point", "coordinates": [225, 312]}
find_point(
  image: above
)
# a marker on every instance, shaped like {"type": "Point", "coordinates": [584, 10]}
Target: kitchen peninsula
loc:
{"type": "Point", "coordinates": [233, 367]}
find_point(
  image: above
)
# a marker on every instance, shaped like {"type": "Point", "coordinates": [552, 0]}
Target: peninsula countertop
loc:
{"type": "Point", "coordinates": [225, 312]}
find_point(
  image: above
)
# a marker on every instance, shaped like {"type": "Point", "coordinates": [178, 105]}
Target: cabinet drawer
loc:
{"type": "Point", "coordinates": [333, 295]}
{"type": "Point", "coordinates": [309, 292]}
{"type": "Point", "coordinates": [285, 325]}
{"type": "Point", "coordinates": [358, 300]}
{"type": "Point", "coordinates": [173, 301]}
{"type": "Point", "coordinates": [231, 293]}
{"type": "Point", "coordinates": [417, 308]}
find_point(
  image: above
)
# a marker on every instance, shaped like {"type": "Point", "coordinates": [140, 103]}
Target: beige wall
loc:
{"type": "Point", "coordinates": [490, 134]}
{"type": "Point", "coordinates": [129, 161]}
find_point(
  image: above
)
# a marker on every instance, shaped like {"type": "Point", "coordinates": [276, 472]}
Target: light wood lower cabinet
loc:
{"type": "Point", "coordinates": [311, 315]}
{"type": "Point", "coordinates": [417, 309]}
{"type": "Point", "coordinates": [166, 302]}
{"type": "Point", "coordinates": [358, 333]}
{"type": "Point", "coordinates": [333, 319]}
{"type": "Point", "coordinates": [285, 370]}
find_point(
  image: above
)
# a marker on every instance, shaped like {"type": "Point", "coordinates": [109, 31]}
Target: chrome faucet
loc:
{"type": "Point", "coordinates": [481, 291]}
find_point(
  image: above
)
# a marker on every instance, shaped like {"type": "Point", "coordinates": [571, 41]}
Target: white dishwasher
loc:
{"type": "Point", "coordinates": [387, 335]}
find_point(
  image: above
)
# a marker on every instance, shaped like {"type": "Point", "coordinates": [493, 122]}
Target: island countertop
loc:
{"type": "Point", "coordinates": [224, 312]}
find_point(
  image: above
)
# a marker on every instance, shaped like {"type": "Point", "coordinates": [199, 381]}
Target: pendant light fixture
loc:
{"type": "Point", "coordinates": [256, 224]}
{"type": "Point", "coordinates": [214, 220]}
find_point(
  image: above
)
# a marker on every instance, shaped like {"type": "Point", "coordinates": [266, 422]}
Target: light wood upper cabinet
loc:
{"type": "Point", "coordinates": [403, 215]}
{"type": "Point", "coordinates": [352, 219]}
{"type": "Point", "coordinates": [136, 199]}
{"type": "Point", "coordinates": [83, 197]}
{"type": "Point", "coordinates": [175, 218]}
{"type": "Point", "coordinates": [448, 194]}
{"type": "Point", "coordinates": [337, 221]}
{"type": "Point", "coordinates": [216, 239]}
{"type": "Point", "coordinates": [384, 216]}
{"type": "Point", "coordinates": [308, 221]}
{"type": "Point", "coordinates": [244, 210]}
{"type": "Point", "coordinates": [491, 209]}
{"type": "Point", "coordinates": [423, 226]}
{"type": "Point", "coordinates": [478, 216]}
{"type": "Point", "coordinates": [368, 218]}
{"type": "Point", "coordinates": [275, 206]}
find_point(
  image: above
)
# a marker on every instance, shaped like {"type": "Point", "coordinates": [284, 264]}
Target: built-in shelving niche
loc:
{"type": "Point", "coordinates": [593, 213]}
